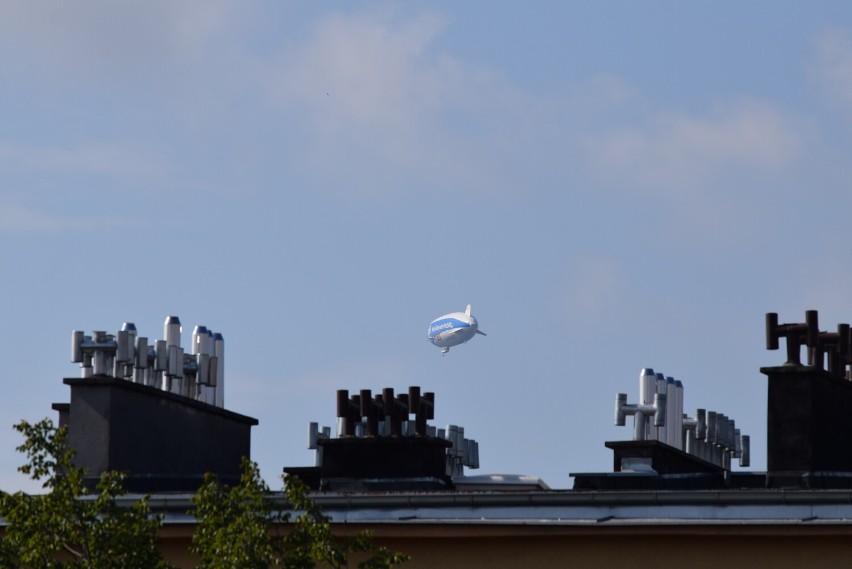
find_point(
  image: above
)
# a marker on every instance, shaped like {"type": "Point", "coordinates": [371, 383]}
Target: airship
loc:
{"type": "Point", "coordinates": [453, 329]}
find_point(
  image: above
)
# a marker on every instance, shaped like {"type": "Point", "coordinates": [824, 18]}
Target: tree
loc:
{"type": "Point", "coordinates": [233, 523]}
{"type": "Point", "coordinates": [69, 526]}
{"type": "Point", "coordinates": [240, 526]}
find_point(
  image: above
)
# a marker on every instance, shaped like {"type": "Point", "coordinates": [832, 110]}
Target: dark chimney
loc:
{"type": "Point", "coordinates": [385, 443]}
{"type": "Point", "coordinates": [153, 411]}
{"type": "Point", "coordinates": [809, 409]}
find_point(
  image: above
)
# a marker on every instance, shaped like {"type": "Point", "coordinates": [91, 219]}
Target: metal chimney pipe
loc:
{"type": "Point", "coordinates": [79, 355]}
{"type": "Point", "coordinates": [126, 351]}
{"type": "Point", "coordinates": [202, 349]}
{"type": "Point", "coordinates": [99, 359]}
{"type": "Point", "coordinates": [678, 416]}
{"type": "Point", "coordinates": [712, 427]}
{"type": "Point", "coordinates": [172, 330]}
{"type": "Point", "coordinates": [355, 426]}
{"type": "Point", "coordinates": [689, 443]}
{"type": "Point", "coordinates": [620, 404]}
{"type": "Point", "coordinates": [199, 340]}
{"type": "Point", "coordinates": [721, 433]}
{"type": "Point", "coordinates": [77, 346]}
{"type": "Point", "coordinates": [745, 457]}
{"type": "Point", "coordinates": [736, 441]}
{"type": "Point", "coordinates": [342, 412]}
{"type": "Point", "coordinates": [661, 389]}
{"type": "Point", "coordinates": [141, 362]}
{"type": "Point", "coordinates": [647, 388]}
{"type": "Point", "coordinates": [429, 396]}
{"type": "Point", "coordinates": [701, 429]}
{"type": "Point", "coordinates": [219, 352]}
{"type": "Point", "coordinates": [660, 402]}
{"type": "Point", "coordinates": [642, 430]}
{"type": "Point", "coordinates": [671, 407]}
{"type": "Point", "coordinates": [171, 335]}
{"type": "Point", "coordinates": [161, 363]}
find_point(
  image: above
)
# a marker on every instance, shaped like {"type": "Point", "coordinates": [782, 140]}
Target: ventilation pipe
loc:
{"type": "Point", "coordinates": [641, 411]}
{"type": "Point", "coordinates": [388, 414]}
{"type": "Point", "coordinates": [710, 436]}
{"type": "Point", "coordinates": [127, 356]}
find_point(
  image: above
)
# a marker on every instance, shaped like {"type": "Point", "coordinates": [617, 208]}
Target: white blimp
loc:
{"type": "Point", "coordinates": [453, 329]}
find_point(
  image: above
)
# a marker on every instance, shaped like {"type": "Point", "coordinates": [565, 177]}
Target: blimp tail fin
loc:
{"type": "Point", "coordinates": [481, 332]}
{"type": "Point", "coordinates": [467, 310]}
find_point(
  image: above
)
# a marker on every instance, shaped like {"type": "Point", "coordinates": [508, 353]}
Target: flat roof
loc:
{"type": "Point", "coordinates": [562, 508]}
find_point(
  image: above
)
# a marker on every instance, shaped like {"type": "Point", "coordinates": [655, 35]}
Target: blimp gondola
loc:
{"type": "Point", "coordinates": [453, 329]}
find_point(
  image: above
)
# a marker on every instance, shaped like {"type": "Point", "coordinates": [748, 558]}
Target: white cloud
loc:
{"type": "Point", "coordinates": [367, 67]}
{"type": "Point", "coordinates": [834, 64]}
{"type": "Point", "coordinates": [383, 113]}
{"type": "Point", "coordinates": [678, 154]}
{"type": "Point", "coordinates": [599, 93]}
{"type": "Point", "coordinates": [594, 292]}
{"type": "Point", "coordinates": [72, 39]}
{"type": "Point", "coordinates": [100, 158]}
{"type": "Point", "coordinates": [22, 219]}
{"type": "Point", "coordinates": [15, 219]}
{"type": "Point", "coordinates": [40, 183]}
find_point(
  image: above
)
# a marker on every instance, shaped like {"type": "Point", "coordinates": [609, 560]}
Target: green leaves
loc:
{"type": "Point", "coordinates": [67, 526]}
{"type": "Point", "coordinates": [234, 523]}
{"type": "Point", "coordinates": [240, 526]}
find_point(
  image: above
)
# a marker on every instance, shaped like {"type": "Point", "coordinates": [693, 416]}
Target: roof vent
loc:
{"type": "Point", "coordinates": [830, 351]}
{"type": "Point", "coordinates": [710, 436]}
{"type": "Point", "coordinates": [385, 442]}
{"type": "Point", "coordinates": [163, 364]}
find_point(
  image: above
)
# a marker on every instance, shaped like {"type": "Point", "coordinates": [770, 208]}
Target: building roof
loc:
{"type": "Point", "coordinates": [564, 508]}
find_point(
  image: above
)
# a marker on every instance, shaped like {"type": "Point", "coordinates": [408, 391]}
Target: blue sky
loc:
{"type": "Point", "coordinates": [612, 186]}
